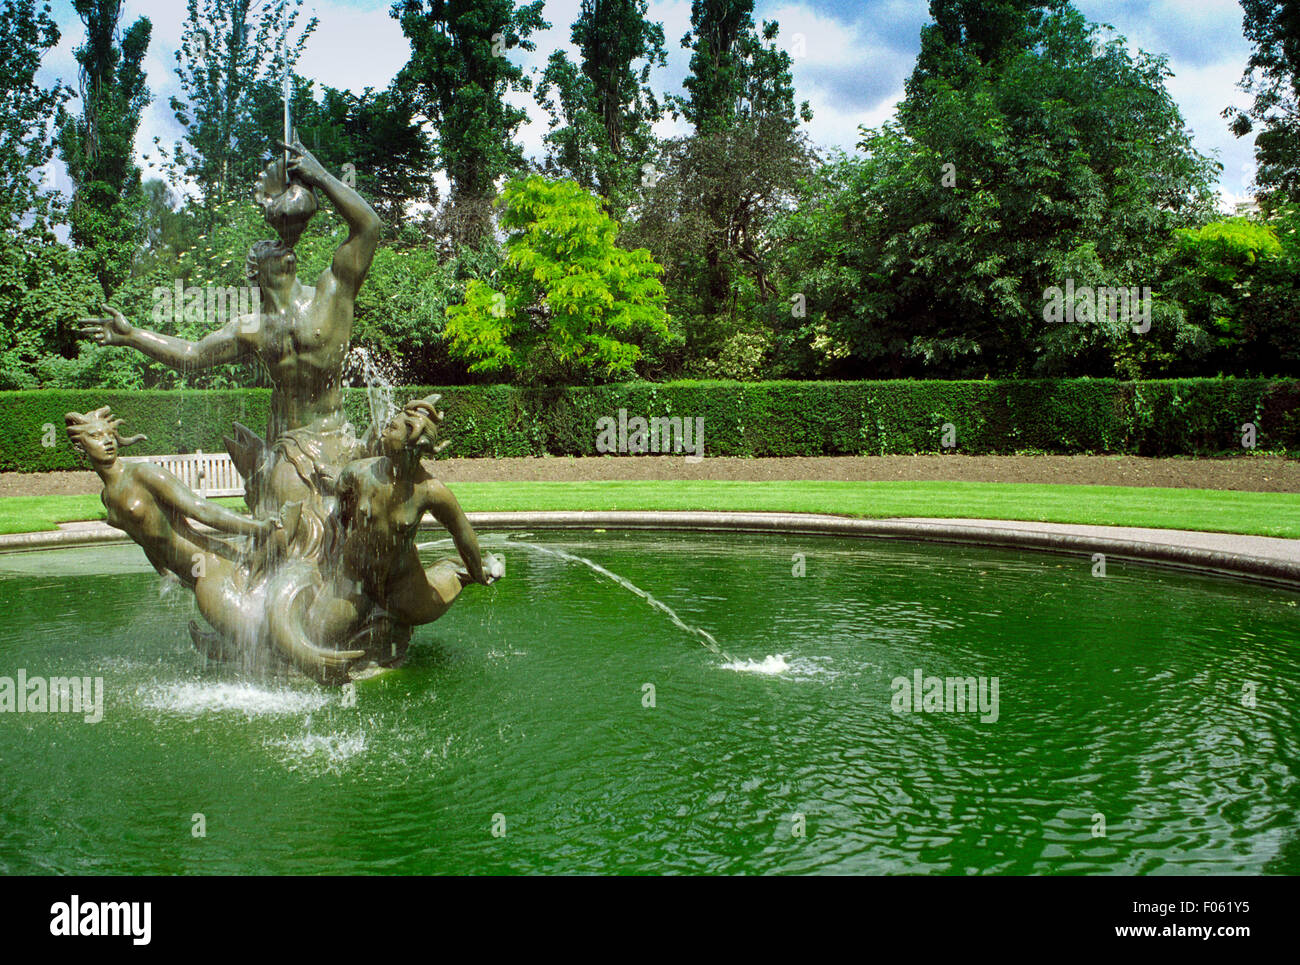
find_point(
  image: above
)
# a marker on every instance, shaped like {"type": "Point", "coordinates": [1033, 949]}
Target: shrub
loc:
{"type": "Point", "coordinates": [1154, 418]}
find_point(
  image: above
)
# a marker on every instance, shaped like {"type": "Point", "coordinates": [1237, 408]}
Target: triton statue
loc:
{"type": "Point", "coordinates": [325, 574]}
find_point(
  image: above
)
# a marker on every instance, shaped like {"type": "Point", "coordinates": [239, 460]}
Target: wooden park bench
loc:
{"type": "Point", "coordinates": [208, 474]}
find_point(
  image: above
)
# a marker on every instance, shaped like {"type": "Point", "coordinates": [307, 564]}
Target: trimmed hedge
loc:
{"type": "Point", "coordinates": [1157, 418]}
{"type": "Point", "coordinates": [175, 421]}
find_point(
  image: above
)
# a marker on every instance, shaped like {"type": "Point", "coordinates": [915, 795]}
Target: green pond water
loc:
{"type": "Point", "coordinates": [560, 722]}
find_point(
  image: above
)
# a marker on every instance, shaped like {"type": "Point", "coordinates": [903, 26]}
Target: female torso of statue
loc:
{"type": "Point", "coordinates": [381, 513]}
{"type": "Point", "coordinates": [144, 501]}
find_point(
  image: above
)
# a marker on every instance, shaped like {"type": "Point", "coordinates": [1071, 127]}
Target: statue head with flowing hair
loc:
{"type": "Point", "coordinates": [98, 434]}
{"type": "Point", "coordinates": [414, 429]}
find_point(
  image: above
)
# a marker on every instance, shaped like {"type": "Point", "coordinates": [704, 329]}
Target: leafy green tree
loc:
{"type": "Point", "coordinates": [706, 219]}
{"type": "Point", "coordinates": [602, 108]}
{"type": "Point", "coordinates": [164, 228]}
{"type": "Point", "coordinates": [736, 72]}
{"type": "Point", "coordinates": [1238, 280]}
{"type": "Point", "coordinates": [1271, 316]}
{"type": "Point", "coordinates": [1221, 256]}
{"type": "Point", "coordinates": [44, 287]}
{"type": "Point", "coordinates": [931, 253]}
{"type": "Point", "coordinates": [401, 311]}
{"type": "Point", "coordinates": [967, 35]}
{"type": "Point", "coordinates": [714, 193]}
{"type": "Point", "coordinates": [568, 305]}
{"type": "Point", "coordinates": [98, 146]}
{"type": "Point", "coordinates": [27, 110]}
{"type": "Point", "coordinates": [458, 77]}
{"type": "Point", "coordinates": [716, 76]}
{"type": "Point", "coordinates": [230, 50]}
{"type": "Point", "coordinates": [1272, 78]}
{"type": "Point", "coordinates": [373, 138]}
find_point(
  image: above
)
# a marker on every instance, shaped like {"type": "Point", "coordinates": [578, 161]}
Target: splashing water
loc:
{"type": "Point", "coordinates": [322, 751]}
{"type": "Point", "coordinates": [379, 377]}
{"type": "Point", "coordinates": [193, 699]}
{"type": "Point", "coordinates": [705, 638]}
{"type": "Point", "coordinates": [771, 664]}
{"type": "Point", "coordinates": [776, 665]}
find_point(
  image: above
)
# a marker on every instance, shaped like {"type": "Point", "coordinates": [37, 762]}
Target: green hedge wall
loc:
{"type": "Point", "coordinates": [174, 422]}
{"type": "Point", "coordinates": [1159, 418]}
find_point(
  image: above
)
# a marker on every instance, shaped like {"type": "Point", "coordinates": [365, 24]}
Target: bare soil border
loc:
{"type": "Point", "coordinates": [1262, 473]}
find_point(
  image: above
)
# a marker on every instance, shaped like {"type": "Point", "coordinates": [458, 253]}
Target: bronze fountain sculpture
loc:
{"type": "Point", "coordinates": [324, 575]}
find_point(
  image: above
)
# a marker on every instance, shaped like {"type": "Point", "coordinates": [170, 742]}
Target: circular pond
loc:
{"type": "Point", "coordinates": [573, 718]}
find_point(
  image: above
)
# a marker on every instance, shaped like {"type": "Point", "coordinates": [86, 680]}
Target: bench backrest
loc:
{"type": "Point", "coordinates": [208, 474]}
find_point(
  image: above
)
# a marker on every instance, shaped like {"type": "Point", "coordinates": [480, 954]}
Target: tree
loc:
{"type": "Point", "coordinates": [44, 287]}
{"type": "Point", "coordinates": [706, 215]}
{"type": "Point", "coordinates": [373, 137]}
{"type": "Point", "coordinates": [707, 220]}
{"type": "Point", "coordinates": [1272, 78]}
{"type": "Point", "coordinates": [602, 108]}
{"type": "Point", "coordinates": [715, 80]}
{"type": "Point", "coordinates": [569, 305]}
{"type": "Point", "coordinates": [932, 251]}
{"type": "Point", "coordinates": [229, 50]}
{"type": "Point", "coordinates": [163, 226]}
{"type": "Point", "coordinates": [26, 111]}
{"type": "Point", "coordinates": [736, 72]}
{"type": "Point", "coordinates": [458, 77]}
{"type": "Point", "coordinates": [98, 146]}
{"type": "Point", "coordinates": [967, 35]}
{"type": "Point", "coordinates": [1239, 280]}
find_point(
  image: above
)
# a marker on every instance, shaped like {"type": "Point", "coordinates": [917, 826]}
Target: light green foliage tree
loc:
{"type": "Point", "coordinates": [1240, 282]}
{"type": "Point", "coordinates": [1220, 257]}
{"type": "Point", "coordinates": [568, 303]}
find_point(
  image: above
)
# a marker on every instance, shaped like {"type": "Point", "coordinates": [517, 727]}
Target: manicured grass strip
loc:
{"type": "Point", "coordinates": [1259, 514]}
{"type": "Point", "coordinates": [32, 514]}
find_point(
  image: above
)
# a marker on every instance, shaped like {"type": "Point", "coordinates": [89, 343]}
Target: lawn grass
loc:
{"type": "Point", "coordinates": [1260, 514]}
{"type": "Point", "coordinates": [32, 514]}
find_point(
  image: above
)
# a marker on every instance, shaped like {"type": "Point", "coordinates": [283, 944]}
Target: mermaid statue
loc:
{"type": "Point", "coordinates": [372, 576]}
{"type": "Point", "coordinates": [325, 574]}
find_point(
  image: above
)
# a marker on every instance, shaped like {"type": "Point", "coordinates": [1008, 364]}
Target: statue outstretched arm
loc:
{"type": "Point", "coordinates": [352, 260]}
{"type": "Point", "coordinates": [446, 510]}
{"type": "Point", "coordinates": [215, 348]}
{"type": "Point", "coordinates": [173, 494]}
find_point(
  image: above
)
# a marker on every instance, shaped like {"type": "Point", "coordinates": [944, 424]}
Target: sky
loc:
{"type": "Point", "coordinates": [853, 57]}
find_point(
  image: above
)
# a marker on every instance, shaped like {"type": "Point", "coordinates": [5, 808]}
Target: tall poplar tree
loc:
{"type": "Point", "coordinates": [98, 144]}
{"type": "Point", "coordinates": [602, 107]}
{"type": "Point", "coordinates": [458, 77]}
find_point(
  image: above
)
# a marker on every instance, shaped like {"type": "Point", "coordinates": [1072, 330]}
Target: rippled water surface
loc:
{"type": "Point", "coordinates": [562, 722]}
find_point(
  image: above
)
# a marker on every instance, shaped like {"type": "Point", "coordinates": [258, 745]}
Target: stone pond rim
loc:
{"type": "Point", "coordinates": [1261, 559]}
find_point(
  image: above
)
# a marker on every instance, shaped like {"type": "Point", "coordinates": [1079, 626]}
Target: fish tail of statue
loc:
{"type": "Point", "coordinates": [289, 601]}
